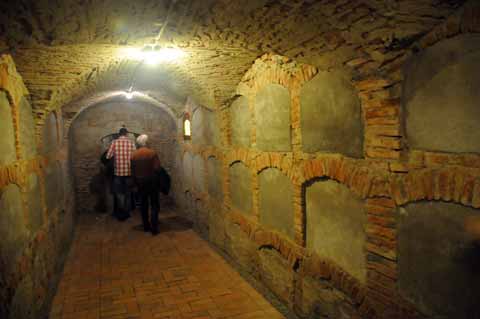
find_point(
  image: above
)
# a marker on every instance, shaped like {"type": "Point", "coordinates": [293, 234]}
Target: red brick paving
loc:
{"type": "Point", "coordinates": [116, 271]}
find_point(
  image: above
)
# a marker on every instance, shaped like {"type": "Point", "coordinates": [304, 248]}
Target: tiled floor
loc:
{"type": "Point", "coordinates": [117, 271]}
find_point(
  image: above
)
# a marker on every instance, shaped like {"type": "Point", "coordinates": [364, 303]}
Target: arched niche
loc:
{"type": "Point", "coordinates": [272, 117]}
{"type": "Point", "coordinates": [13, 232]}
{"type": "Point", "coordinates": [33, 199]}
{"type": "Point", "coordinates": [441, 96]}
{"type": "Point", "coordinates": [331, 118]}
{"type": "Point", "coordinates": [240, 122]}
{"type": "Point", "coordinates": [27, 130]}
{"type": "Point", "coordinates": [335, 220]}
{"type": "Point", "coordinates": [49, 133]}
{"type": "Point", "coordinates": [198, 126]}
{"type": "Point", "coordinates": [438, 263]}
{"type": "Point", "coordinates": [199, 173]}
{"type": "Point", "coordinates": [54, 187]}
{"type": "Point", "coordinates": [212, 132]}
{"type": "Point", "coordinates": [276, 201]}
{"type": "Point", "coordinates": [187, 171]}
{"type": "Point", "coordinates": [241, 187]}
{"type": "Point", "coordinates": [62, 184]}
{"type": "Point", "coordinates": [214, 167]}
{"type": "Point", "coordinates": [7, 133]}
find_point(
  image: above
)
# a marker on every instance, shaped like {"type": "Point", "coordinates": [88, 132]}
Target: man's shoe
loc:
{"type": "Point", "coordinates": [154, 232]}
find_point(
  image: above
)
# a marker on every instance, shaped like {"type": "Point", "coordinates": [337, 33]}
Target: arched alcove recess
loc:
{"type": "Point", "coordinates": [15, 234]}
{"type": "Point", "coordinates": [335, 225]}
{"type": "Point", "coordinates": [272, 118]}
{"type": "Point", "coordinates": [27, 130]}
{"type": "Point", "coordinates": [276, 201]}
{"type": "Point", "coordinates": [50, 139]}
{"type": "Point", "coordinates": [104, 118]}
{"type": "Point", "coordinates": [7, 133]}
{"type": "Point", "coordinates": [53, 186]}
{"type": "Point", "coordinates": [240, 122]}
{"type": "Point", "coordinates": [331, 118]}
{"type": "Point", "coordinates": [440, 98]}
{"type": "Point", "coordinates": [199, 173]}
{"type": "Point", "coordinates": [205, 130]}
{"type": "Point", "coordinates": [215, 179]}
{"type": "Point", "coordinates": [241, 187]}
{"type": "Point", "coordinates": [187, 171]}
{"type": "Point", "coordinates": [437, 261]}
{"type": "Point", "coordinates": [34, 202]}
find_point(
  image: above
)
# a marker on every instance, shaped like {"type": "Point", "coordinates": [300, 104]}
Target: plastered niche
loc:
{"type": "Point", "coordinates": [50, 134]}
{"type": "Point", "coordinates": [441, 96]}
{"type": "Point", "coordinates": [438, 262]}
{"type": "Point", "coordinates": [240, 122]}
{"type": "Point", "coordinates": [331, 118]}
{"type": "Point", "coordinates": [241, 187]}
{"type": "Point", "coordinates": [276, 201]}
{"type": "Point", "coordinates": [335, 226]}
{"type": "Point", "coordinates": [13, 232]}
{"type": "Point", "coordinates": [199, 173]}
{"type": "Point", "coordinates": [187, 171]}
{"type": "Point", "coordinates": [35, 208]}
{"type": "Point", "coordinates": [204, 127]}
{"type": "Point", "coordinates": [27, 130]}
{"type": "Point", "coordinates": [7, 135]}
{"type": "Point", "coordinates": [272, 117]}
{"type": "Point", "coordinates": [53, 186]}
{"type": "Point", "coordinates": [214, 178]}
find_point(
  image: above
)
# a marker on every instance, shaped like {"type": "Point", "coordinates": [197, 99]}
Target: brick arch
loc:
{"type": "Point", "coordinates": [274, 160]}
{"type": "Point", "coordinates": [308, 263]}
{"type": "Point", "coordinates": [271, 69]}
{"type": "Point", "coordinates": [458, 185]}
{"type": "Point", "coordinates": [75, 109]}
{"type": "Point", "coordinates": [103, 68]}
{"type": "Point", "coordinates": [362, 181]}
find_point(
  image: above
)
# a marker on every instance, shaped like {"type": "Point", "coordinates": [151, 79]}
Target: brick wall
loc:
{"type": "Point", "coordinates": [387, 176]}
{"type": "Point", "coordinates": [36, 231]}
{"type": "Point", "coordinates": [106, 118]}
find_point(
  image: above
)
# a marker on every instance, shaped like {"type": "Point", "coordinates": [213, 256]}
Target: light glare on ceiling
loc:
{"type": "Point", "coordinates": [154, 55]}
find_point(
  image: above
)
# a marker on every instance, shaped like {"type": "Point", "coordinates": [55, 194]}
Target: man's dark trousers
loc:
{"type": "Point", "coordinates": [122, 196]}
{"type": "Point", "coordinates": [148, 193]}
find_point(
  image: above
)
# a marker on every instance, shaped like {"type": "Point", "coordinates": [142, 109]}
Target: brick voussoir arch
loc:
{"type": "Point", "coordinates": [304, 262]}
{"type": "Point", "coordinates": [451, 184]}
{"type": "Point", "coordinates": [361, 180]}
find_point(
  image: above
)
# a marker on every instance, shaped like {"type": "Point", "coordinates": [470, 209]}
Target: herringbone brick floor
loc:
{"type": "Point", "coordinates": [116, 271]}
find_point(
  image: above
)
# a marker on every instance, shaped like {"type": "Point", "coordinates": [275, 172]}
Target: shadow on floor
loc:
{"type": "Point", "coordinates": [170, 223]}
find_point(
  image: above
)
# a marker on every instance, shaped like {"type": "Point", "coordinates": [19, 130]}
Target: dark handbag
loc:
{"type": "Point", "coordinates": [163, 181]}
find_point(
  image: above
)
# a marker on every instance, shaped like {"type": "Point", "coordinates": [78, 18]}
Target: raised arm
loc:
{"type": "Point", "coordinates": [111, 150]}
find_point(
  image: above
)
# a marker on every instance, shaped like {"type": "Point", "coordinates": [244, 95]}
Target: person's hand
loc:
{"type": "Point", "coordinates": [472, 227]}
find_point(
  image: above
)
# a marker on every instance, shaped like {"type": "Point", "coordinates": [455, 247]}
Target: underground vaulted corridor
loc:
{"type": "Point", "coordinates": [323, 157]}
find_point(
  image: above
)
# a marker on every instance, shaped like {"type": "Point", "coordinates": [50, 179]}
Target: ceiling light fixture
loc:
{"type": "Point", "coordinates": [129, 94]}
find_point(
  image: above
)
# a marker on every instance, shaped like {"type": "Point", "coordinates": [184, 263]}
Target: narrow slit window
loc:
{"type": "Point", "coordinates": [187, 127]}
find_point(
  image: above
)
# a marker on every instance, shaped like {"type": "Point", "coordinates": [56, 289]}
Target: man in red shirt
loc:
{"type": "Point", "coordinates": [121, 150]}
{"type": "Point", "coordinates": [145, 164]}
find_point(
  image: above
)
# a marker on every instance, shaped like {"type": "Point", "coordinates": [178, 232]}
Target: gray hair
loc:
{"type": "Point", "coordinates": [142, 140]}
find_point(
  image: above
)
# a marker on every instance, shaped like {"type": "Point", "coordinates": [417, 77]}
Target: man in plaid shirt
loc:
{"type": "Point", "coordinates": [121, 150]}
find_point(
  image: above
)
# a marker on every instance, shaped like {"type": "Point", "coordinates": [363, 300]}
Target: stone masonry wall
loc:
{"type": "Point", "coordinates": [36, 228]}
{"type": "Point", "coordinates": [385, 178]}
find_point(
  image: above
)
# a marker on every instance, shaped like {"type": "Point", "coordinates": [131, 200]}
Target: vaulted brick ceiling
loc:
{"type": "Point", "coordinates": [68, 50]}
